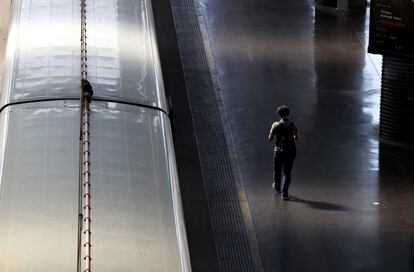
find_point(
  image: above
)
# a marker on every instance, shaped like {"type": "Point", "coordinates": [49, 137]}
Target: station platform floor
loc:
{"type": "Point", "coordinates": [351, 193]}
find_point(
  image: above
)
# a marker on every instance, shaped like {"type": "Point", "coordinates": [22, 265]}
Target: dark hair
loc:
{"type": "Point", "coordinates": [283, 111]}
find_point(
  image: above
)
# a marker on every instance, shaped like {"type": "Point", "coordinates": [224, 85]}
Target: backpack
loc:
{"type": "Point", "coordinates": [284, 137]}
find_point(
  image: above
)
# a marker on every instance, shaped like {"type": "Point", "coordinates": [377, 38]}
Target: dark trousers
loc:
{"type": "Point", "coordinates": [283, 161]}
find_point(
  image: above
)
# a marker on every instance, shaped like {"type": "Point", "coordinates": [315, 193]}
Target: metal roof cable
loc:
{"type": "Point", "coordinates": [86, 92]}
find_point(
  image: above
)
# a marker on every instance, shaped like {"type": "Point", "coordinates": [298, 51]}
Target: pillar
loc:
{"type": "Point", "coordinates": [397, 100]}
{"type": "Point", "coordinates": [326, 3]}
{"type": "Point", "coordinates": [341, 5]}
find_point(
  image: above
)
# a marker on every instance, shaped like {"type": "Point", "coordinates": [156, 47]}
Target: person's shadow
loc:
{"type": "Point", "coordinates": [320, 205]}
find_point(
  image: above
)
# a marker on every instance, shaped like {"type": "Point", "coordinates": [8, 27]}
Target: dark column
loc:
{"type": "Point", "coordinates": [339, 56]}
{"type": "Point", "coordinates": [333, 3]}
{"type": "Point", "coordinates": [397, 100]}
{"type": "Point", "coordinates": [356, 3]}
{"type": "Point", "coordinates": [326, 3]}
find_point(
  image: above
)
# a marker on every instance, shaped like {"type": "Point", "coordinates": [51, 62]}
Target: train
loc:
{"type": "Point", "coordinates": [137, 221]}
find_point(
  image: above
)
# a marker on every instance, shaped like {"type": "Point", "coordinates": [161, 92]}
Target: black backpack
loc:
{"type": "Point", "coordinates": [284, 137]}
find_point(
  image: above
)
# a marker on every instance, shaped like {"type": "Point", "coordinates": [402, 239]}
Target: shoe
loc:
{"type": "Point", "coordinates": [285, 197]}
{"type": "Point", "coordinates": [274, 187]}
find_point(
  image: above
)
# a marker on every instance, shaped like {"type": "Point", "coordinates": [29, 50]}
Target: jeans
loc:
{"type": "Point", "coordinates": [283, 161]}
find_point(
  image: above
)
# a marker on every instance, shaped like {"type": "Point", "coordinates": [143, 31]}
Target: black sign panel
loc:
{"type": "Point", "coordinates": [392, 27]}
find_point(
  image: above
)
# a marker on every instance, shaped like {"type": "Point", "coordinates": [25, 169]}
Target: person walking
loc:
{"type": "Point", "coordinates": [283, 133]}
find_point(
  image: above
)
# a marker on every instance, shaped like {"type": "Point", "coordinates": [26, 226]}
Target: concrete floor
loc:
{"type": "Point", "coordinates": [352, 195]}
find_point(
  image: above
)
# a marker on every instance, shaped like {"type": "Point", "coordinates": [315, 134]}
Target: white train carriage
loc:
{"type": "Point", "coordinates": [137, 222]}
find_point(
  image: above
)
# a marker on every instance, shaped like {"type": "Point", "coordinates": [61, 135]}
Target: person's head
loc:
{"type": "Point", "coordinates": [283, 111]}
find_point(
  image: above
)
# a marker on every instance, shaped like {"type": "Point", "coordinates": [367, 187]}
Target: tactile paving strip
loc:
{"type": "Point", "coordinates": [230, 235]}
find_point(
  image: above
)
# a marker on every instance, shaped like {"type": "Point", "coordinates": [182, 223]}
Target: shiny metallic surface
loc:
{"type": "Point", "coordinates": [137, 224]}
{"type": "Point", "coordinates": [43, 57]}
{"type": "Point", "coordinates": [38, 197]}
{"type": "Point", "coordinates": [123, 59]}
{"type": "Point", "coordinates": [137, 218]}
{"type": "Point", "coordinates": [138, 221]}
{"type": "Point", "coordinates": [4, 30]}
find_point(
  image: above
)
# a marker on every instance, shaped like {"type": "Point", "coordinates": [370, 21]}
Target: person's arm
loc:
{"type": "Point", "coordinates": [295, 133]}
{"type": "Point", "coordinates": [271, 136]}
{"type": "Point", "coordinates": [296, 136]}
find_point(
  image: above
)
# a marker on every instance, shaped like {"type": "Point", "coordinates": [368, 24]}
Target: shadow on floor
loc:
{"type": "Point", "coordinates": [319, 205]}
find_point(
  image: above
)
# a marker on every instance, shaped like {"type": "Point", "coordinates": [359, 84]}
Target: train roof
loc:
{"type": "Point", "coordinates": [43, 53]}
